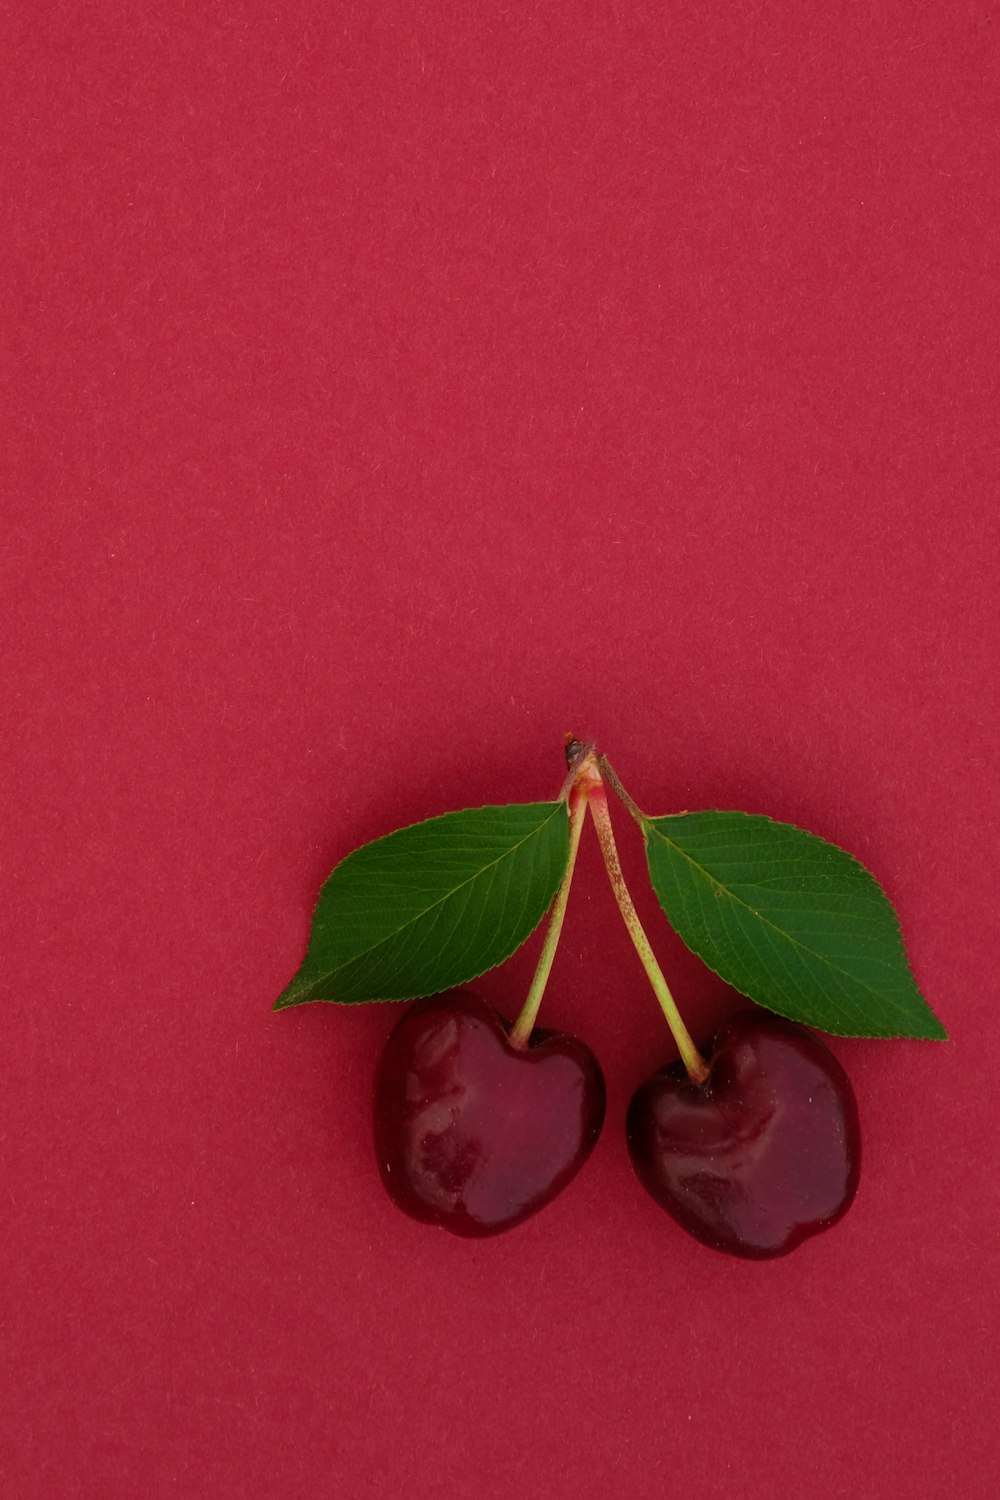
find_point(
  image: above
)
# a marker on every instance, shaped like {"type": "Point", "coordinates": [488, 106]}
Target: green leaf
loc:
{"type": "Point", "coordinates": [433, 905]}
{"type": "Point", "coordinates": [792, 921]}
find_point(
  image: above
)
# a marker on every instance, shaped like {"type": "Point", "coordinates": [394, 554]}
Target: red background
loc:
{"type": "Point", "coordinates": [391, 388]}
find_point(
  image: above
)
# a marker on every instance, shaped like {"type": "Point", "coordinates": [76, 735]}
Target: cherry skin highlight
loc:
{"type": "Point", "coordinates": [765, 1153]}
{"type": "Point", "coordinates": [472, 1133]}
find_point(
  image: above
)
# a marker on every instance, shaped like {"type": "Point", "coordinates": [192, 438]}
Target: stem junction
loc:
{"type": "Point", "coordinates": [583, 789]}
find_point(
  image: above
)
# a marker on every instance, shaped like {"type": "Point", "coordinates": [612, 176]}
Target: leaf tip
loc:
{"type": "Point", "coordinates": [295, 993]}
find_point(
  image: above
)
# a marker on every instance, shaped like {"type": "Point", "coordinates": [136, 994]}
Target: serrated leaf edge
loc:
{"type": "Point", "coordinates": [285, 1003]}
{"type": "Point", "coordinates": [648, 821]}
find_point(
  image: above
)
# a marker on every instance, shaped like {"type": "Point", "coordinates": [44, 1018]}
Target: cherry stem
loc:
{"type": "Point", "coordinates": [521, 1030]}
{"type": "Point", "coordinates": [692, 1059]}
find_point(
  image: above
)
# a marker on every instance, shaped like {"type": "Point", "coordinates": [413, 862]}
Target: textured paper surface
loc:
{"type": "Point", "coordinates": [390, 389]}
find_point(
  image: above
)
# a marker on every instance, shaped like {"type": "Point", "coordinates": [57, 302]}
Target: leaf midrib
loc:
{"type": "Point", "coordinates": [420, 915]}
{"type": "Point", "coordinates": [789, 936]}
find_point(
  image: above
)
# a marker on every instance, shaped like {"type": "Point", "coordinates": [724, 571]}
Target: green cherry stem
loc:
{"type": "Point", "coordinates": [692, 1059]}
{"type": "Point", "coordinates": [521, 1030]}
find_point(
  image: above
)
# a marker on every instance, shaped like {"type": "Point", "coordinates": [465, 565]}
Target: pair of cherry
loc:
{"type": "Point", "coordinates": [479, 1124]}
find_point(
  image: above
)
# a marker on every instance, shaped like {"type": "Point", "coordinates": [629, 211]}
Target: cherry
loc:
{"type": "Point", "coordinates": [761, 1155]}
{"type": "Point", "coordinates": [758, 1148]}
{"type": "Point", "coordinates": [476, 1132]}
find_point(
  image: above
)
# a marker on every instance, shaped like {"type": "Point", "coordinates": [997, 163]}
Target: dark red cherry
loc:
{"type": "Point", "coordinates": [765, 1153]}
{"type": "Point", "coordinates": [472, 1133]}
